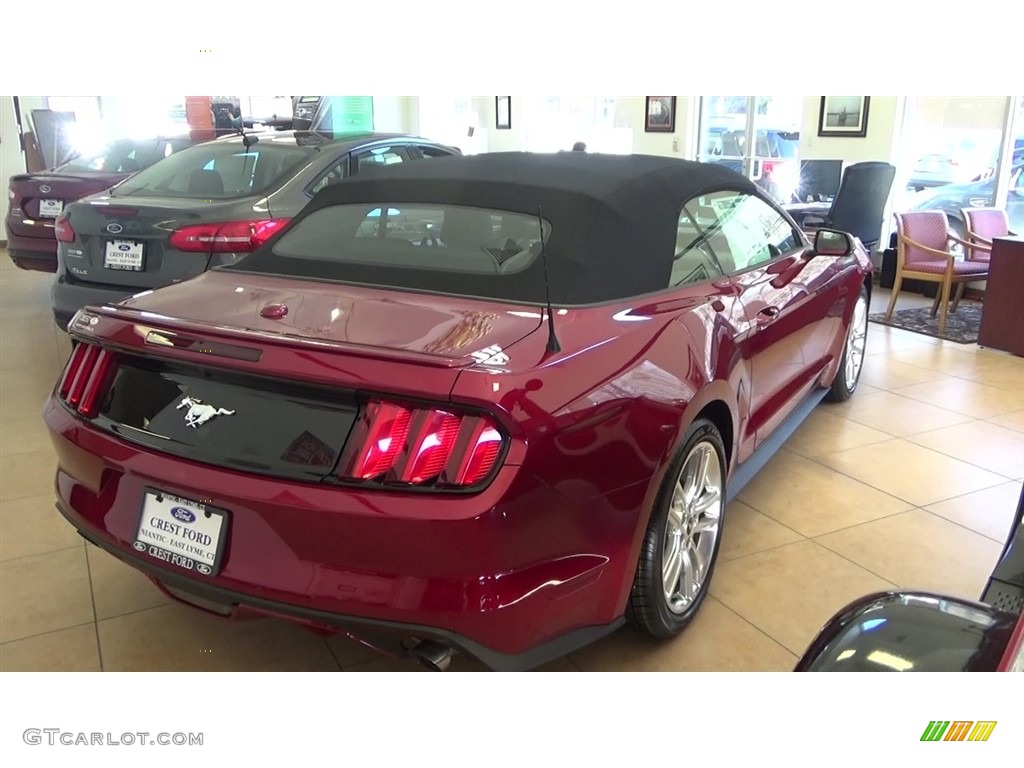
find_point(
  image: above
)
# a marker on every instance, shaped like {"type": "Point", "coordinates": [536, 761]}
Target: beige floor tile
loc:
{"type": "Point", "coordinates": [989, 512]}
{"type": "Point", "coordinates": [911, 472]}
{"type": "Point", "coordinates": [66, 650]}
{"type": "Point", "coordinates": [881, 343]}
{"type": "Point", "coordinates": [23, 391]}
{"type": "Point", "coordinates": [350, 652]}
{"type": "Point", "coordinates": [972, 363]}
{"type": "Point", "coordinates": [23, 435]}
{"type": "Point", "coordinates": [23, 355]}
{"type": "Point", "coordinates": [1013, 420]}
{"type": "Point", "coordinates": [118, 588]}
{"type": "Point", "coordinates": [896, 415]}
{"type": "Point", "coordinates": [718, 640]}
{"type": "Point", "coordinates": [790, 592]}
{"type": "Point", "coordinates": [44, 593]}
{"type": "Point", "coordinates": [813, 499]}
{"type": "Point", "coordinates": [884, 372]}
{"type": "Point", "coordinates": [179, 638]}
{"type": "Point", "coordinates": [967, 397]}
{"type": "Point", "coordinates": [33, 526]}
{"type": "Point", "coordinates": [747, 531]}
{"type": "Point", "coordinates": [1004, 377]}
{"type": "Point", "coordinates": [826, 432]}
{"type": "Point", "coordinates": [904, 549]}
{"type": "Point", "coordinates": [985, 445]}
{"type": "Point", "coordinates": [27, 474]}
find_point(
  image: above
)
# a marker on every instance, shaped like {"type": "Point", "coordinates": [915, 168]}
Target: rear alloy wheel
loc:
{"type": "Point", "coordinates": [679, 550]}
{"type": "Point", "coordinates": [845, 382]}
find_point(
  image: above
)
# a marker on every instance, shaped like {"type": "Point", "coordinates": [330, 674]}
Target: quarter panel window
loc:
{"type": "Point", "coordinates": [753, 232]}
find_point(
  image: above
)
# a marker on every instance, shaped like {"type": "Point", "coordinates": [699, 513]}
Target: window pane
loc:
{"type": "Point", "coordinates": [754, 232]}
{"type": "Point", "coordinates": [403, 236]}
{"type": "Point", "coordinates": [695, 259]}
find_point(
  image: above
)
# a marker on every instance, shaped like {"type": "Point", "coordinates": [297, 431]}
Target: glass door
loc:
{"type": "Point", "coordinates": [758, 136]}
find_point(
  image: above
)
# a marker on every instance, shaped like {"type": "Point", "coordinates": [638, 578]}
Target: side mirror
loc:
{"type": "Point", "coordinates": [831, 242]}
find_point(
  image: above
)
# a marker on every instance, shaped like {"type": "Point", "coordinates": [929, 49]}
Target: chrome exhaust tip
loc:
{"type": "Point", "coordinates": [434, 656]}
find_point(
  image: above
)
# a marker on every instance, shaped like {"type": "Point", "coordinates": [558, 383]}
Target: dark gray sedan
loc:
{"type": "Point", "coordinates": [207, 205]}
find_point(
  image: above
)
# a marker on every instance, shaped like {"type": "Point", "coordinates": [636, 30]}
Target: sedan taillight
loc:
{"type": "Point", "coordinates": [62, 229]}
{"type": "Point", "coordinates": [413, 445]}
{"type": "Point", "coordinates": [85, 378]}
{"type": "Point", "coordinates": [225, 237]}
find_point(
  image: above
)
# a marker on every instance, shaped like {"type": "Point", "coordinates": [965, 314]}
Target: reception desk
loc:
{"type": "Point", "coordinates": [1002, 314]}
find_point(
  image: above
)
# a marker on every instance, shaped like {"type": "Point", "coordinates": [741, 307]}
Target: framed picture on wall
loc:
{"type": "Point", "coordinates": [660, 114]}
{"type": "Point", "coordinates": [503, 112]}
{"type": "Point", "coordinates": [843, 116]}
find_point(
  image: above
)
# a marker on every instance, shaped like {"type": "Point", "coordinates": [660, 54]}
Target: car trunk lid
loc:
{"type": "Point", "coordinates": [437, 330]}
{"type": "Point", "coordinates": [202, 373]}
{"type": "Point", "coordinates": [38, 199]}
{"type": "Point", "coordinates": [126, 241]}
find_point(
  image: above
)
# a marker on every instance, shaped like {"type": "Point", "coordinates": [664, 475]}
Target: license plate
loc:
{"type": "Point", "coordinates": [186, 534]}
{"type": "Point", "coordinates": [123, 254]}
{"type": "Point", "coordinates": [50, 209]}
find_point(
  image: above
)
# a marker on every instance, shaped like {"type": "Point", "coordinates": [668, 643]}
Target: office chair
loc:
{"type": "Point", "coordinates": [859, 204]}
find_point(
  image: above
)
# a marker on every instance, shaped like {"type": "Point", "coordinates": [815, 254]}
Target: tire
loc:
{"type": "Point", "coordinates": [685, 530]}
{"type": "Point", "coordinates": [852, 362]}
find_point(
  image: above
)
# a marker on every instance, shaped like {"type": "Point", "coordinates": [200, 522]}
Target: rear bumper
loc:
{"type": "Point", "coordinates": [67, 297]}
{"type": "Point", "coordinates": [507, 575]}
{"type": "Point", "coordinates": [34, 253]}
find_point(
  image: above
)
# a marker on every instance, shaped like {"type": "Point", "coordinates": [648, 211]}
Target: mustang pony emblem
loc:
{"type": "Point", "coordinates": [199, 413]}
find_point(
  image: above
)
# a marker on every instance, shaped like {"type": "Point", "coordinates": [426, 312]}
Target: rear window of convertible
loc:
{"type": "Point", "coordinates": [409, 245]}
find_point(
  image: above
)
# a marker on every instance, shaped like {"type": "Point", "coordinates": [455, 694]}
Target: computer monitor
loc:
{"type": "Point", "coordinates": [819, 180]}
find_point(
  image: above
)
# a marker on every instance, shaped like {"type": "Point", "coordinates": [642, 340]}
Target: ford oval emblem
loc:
{"type": "Point", "coordinates": [180, 513]}
{"type": "Point", "coordinates": [115, 228]}
{"type": "Point", "coordinates": [44, 188]}
{"type": "Point", "coordinates": [124, 247]}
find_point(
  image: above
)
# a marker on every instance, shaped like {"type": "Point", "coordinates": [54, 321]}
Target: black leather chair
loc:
{"type": "Point", "coordinates": [859, 204]}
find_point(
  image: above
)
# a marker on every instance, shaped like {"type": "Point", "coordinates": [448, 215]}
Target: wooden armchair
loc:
{"type": "Point", "coordinates": [981, 226]}
{"type": "Point", "coordinates": [922, 253]}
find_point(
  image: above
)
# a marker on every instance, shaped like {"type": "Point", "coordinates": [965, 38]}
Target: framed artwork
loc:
{"type": "Point", "coordinates": [660, 114]}
{"type": "Point", "coordinates": [844, 116]}
{"type": "Point", "coordinates": [503, 112]}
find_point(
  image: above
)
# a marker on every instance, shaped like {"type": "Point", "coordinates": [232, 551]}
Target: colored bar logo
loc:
{"type": "Point", "coordinates": [958, 730]}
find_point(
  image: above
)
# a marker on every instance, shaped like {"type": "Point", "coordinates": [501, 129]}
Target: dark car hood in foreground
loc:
{"type": "Point", "coordinates": [453, 331]}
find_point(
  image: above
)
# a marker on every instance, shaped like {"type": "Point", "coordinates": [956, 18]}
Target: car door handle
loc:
{"type": "Point", "coordinates": [767, 315]}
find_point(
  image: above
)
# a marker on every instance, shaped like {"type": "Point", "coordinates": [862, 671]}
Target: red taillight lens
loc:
{"type": "Point", "coordinates": [483, 451]}
{"type": "Point", "coordinates": [62, 229]}
{"type": "Point", "coordinates": [225, 237]}
{"type": "Point", "coordinates": [85, 378]}
{"type": "Point", "coordinates": [398, 444]}
{"type": "Point", "coordinates": [431, 446]}
{"type": "Point", "coordinates": [388, 428]}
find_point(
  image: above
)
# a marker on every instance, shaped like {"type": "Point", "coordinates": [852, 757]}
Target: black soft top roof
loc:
{"type": "Point", "coordinates": [614, 218]}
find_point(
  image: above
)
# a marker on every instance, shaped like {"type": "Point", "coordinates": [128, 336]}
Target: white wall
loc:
{"type": "Point", "coordinates": [12, 161]}
{"type": "Point", "coordinates": [884, 117]}
{"type": "Point", "coordinates": [630, 113]}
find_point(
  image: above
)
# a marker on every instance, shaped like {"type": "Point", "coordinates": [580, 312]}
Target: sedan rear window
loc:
{"type": "Point", "coordinates": [402, 240]}
{"type": "Point", "coordinates": [125, 156]}
{"type": "Point", "coordinates": [220, 171]}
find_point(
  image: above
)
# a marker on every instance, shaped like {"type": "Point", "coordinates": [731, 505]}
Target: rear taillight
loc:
{"type": "Point", "coordinates": [225, 237]}
{"type": "Point", "coordinates": [85, 378]}
{"type": "Point", "coordinates": [62, 229]}
{"type": "Point", "coordinates": [419, 446]}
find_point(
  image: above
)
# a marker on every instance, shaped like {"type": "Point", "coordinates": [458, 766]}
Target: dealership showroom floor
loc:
{"type": "Point", "coordinates": [912, 483]}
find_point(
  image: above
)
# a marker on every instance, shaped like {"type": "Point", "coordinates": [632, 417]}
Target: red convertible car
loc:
{"type": "Point", "coordinates": [491, 404]}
